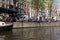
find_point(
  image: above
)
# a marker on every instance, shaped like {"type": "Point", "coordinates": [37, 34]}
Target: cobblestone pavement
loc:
{"type": "Point", "coordinates": [39, 33]}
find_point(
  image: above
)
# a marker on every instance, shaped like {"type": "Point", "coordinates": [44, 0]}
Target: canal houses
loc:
{"type": "Point", "coordinates": [7, 11]}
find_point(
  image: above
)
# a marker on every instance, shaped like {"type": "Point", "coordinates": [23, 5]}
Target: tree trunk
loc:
{"type": "Point", "coordinates": [51, 9]}
{"type": "Point", "coordinates": [36, 14]}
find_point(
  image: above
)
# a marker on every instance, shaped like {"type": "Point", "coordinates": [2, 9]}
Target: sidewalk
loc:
{"type": "Point", "coordinates": [34, 24]}
{"type": "Point", "coordinates": [25, 24]}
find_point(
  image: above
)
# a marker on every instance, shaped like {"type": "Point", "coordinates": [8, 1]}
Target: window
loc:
{"type": "Point", "coordinates": [2, 0]}
{"type": "Point", "coordinates": [3, 5]}
{"type": "Point", "coordinates": [6, 0]}
{"type": "Point", "coordinates": [7, 6]}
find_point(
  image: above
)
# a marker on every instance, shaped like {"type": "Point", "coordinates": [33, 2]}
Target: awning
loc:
{"type": "Point", "coordinates": [5, 10]}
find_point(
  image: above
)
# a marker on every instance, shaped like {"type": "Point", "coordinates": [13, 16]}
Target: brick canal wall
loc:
{"type": "Point", "coordinates": [34, 24]}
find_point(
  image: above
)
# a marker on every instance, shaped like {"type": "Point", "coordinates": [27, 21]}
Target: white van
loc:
{"type": "Point", "coordinates": [54, 18]}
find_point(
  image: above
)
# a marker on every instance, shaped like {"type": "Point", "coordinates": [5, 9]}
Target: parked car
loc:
{"type": "Point", "coordinates": [41, 19]}
{"type": "Point", "coordinates": [54, 19]}
{"type": "Point", "coordinates": [1, 18]}
{"type": "Point", "coordinates": [25, 17]}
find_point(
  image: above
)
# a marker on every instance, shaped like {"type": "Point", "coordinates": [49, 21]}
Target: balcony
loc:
{"type": "Point", "coordinates": [5, 10]}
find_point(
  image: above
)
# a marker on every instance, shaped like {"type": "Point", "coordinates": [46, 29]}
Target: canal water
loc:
{"type": "Point", "coordinates": [36, 33]}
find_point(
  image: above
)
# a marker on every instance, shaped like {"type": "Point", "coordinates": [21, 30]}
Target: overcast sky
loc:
{"type": "Point", "coordinates": [58, 5]}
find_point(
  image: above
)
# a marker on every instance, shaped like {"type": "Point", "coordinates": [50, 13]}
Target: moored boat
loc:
{"type": "Point", "coordinates": [6, 26]}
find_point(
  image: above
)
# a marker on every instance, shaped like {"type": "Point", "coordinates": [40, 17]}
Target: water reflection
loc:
{"type": "Point", "coordinates": [41, 33]}
{"type": "Point", "coordinates": [15, 34]}
{"type": "Point", "coordinates": [5, 35]}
